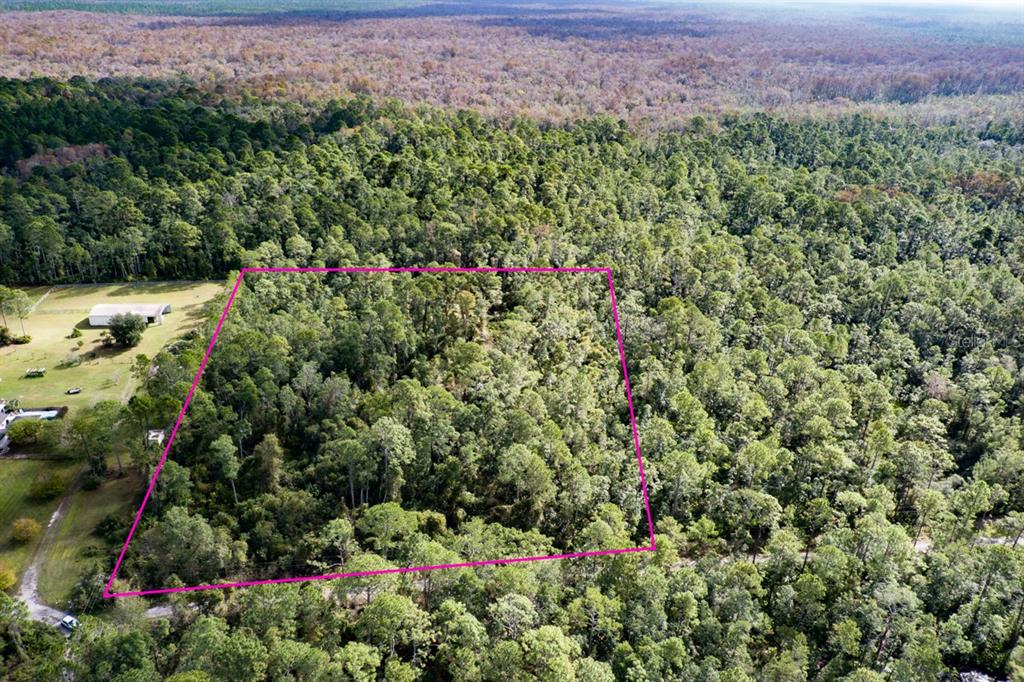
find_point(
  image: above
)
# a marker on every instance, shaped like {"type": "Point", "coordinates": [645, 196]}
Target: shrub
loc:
{"type": "Point", "coordinates": [92, 481]}
{"type": "Point", "coordinates": [23, 530]}
{"type": "Point", "coordinates": [7, 577]}
{"type": "Point", "coordinates": [46, 487]}
{"type": "Point", "coordinates": [75, 333]}
{"type": "Point", "coordinates": [108, 527]}
{"type": "Point", "coordinates": [25, 431]}
{"type": "Point", "coordinates": [9, 339]}
{"type": "Point", "coordinates": [70, 360]}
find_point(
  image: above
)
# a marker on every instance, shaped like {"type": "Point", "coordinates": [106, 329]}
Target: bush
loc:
{"type": "Point", "coordinates": [108, 526]}
{"type": "Point", "coordinates": [92, 481]}
{"type": "Point", "coordinates": [9, 339]}
{"type": "Point", "coordinates": [23, 530]}
{"type": "Point", "coordinates": [46, 487]}
{"type": "Point", "coordinates": [7, 577]}
{"type": "Point", "coordinates": [25, 431]}
{"type": "Point", "coordinates": [75, 333]}
{"type": "Point", "coordinates": [70, 360]}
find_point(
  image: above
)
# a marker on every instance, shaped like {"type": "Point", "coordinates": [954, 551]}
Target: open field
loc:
{"type": "Point", "coordinates": [104, 373]}
{"type": "Point", "coordinates": [75, 546]}
{"type": "Point", "coordinates": [15, 478]}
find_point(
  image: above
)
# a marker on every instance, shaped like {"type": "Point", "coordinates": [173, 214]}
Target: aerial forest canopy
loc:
{"type": "Point", "coordinates": [823, 320]}
{"type": "Point", "coordinates": [335, 406]}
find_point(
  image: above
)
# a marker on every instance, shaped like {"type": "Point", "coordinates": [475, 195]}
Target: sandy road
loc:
{"type": "Point", "coordinates": [28, 592]}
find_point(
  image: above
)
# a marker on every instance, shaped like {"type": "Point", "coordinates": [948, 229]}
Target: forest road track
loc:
{"type": "Point", "coordinates": [28, 592]}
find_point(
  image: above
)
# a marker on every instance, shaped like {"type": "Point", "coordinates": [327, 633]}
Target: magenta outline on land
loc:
{"type": "Point", "coordinates": [107, 594]}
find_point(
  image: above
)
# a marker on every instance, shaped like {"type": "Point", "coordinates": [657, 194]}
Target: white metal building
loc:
{"type": "Point", "coordinates": [152, 313]}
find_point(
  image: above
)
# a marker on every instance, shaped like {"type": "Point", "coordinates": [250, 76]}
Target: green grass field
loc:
{"type": "Point", "coordinates": [15, 478]}
{"type": "Point", "coordinates": [75, 546]}
{"type": "Point", "coordinates": [105, 372]}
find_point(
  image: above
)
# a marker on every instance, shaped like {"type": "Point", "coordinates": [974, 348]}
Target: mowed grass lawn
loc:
{"type": "Point", "coordinates": [105, 373]}
{"type": "Point", "coordinates": [76, 547]}
{"type": "Point", "coordinates": [15, 478]}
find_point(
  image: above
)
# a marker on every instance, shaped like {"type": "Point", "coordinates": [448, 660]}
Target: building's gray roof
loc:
{"type": "Point", "coordinates": [142, 309]}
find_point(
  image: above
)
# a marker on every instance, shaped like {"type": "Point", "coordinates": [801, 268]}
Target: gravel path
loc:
{"type": "Point", "coordinates": [29, 590]}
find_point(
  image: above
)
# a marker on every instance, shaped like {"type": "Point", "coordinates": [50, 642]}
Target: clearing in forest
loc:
{"type": "Point", "coordinates": [82, 361]}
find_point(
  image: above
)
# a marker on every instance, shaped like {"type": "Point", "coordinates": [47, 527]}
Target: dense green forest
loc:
{"type": "Point", "coordinates": [824, 325]}
{"type": "Point", "coordinates": [334, 407]}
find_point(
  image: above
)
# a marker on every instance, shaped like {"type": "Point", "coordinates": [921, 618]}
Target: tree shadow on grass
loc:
{"type": "Point", "coordinates": [101, 351]}
{"type": "Point", "coordinates": [152, 288]}
{"type": "Point", "coordinates": [194, 312]}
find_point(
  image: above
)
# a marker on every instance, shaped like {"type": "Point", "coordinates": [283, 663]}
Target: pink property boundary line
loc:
{"type": "Point", "coordinates": [107, 594]}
